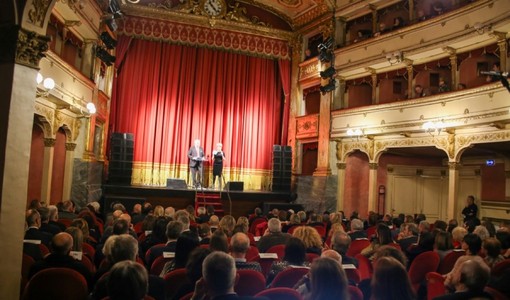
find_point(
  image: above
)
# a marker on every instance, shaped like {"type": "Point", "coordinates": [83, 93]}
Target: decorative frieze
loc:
{"type": "Point", "coordinates": [38, 12]}
{"type": "Point", "coordinates": [22, 46]}
{"type": "Point", "coordinates": [70, 146]}
{"type": "Point", "coordinates": [307, 126]}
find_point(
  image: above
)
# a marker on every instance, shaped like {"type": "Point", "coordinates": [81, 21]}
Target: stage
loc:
{"type": "Point", "coordinates": [243, 202]}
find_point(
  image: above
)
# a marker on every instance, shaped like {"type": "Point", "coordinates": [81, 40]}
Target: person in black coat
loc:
{"type": "Point", "coordinates": [471, 210]}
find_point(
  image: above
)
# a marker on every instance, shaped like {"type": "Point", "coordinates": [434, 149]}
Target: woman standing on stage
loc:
{"type": "Point", "coordinates": [218, 156]}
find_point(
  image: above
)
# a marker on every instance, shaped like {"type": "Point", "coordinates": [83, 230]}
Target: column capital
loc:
{"type": "Point", "coordinates": [453, 165]}
{"type": "Point", "coordinates": [70, 146]}
{"type": "Point", "coordinates": [341, 166]}
{"type": "Point", "coordinates": [27, 46]}
{"type": "Point", "coordinates": [49, 142]}
{"type": "Point", "coordinates": [373, 166]}
{"type": "Point", "coordinates": [450, 50]}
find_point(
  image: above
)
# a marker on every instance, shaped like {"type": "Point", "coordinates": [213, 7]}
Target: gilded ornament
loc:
{"type": "Point", "coordinates": [37, 14]}
{"type": "Point", "coordinates": [49, 142]}
{"type": "Point", "coordinates": [70, 146]}
{"type": "Point", "coordinates": [30, 48]}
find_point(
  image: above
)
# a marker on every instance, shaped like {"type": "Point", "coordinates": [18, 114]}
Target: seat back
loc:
{"type": "Point", "coordinates": [278, 249]}
{"type": "Point", "coordinates": [353, 276]}
{"type": "Point", "coordinates": [88, 250]}
{"type": "Point", "coordinates": [321, 230]}
{"type": "Point", "coordinates": [249, 283]}
{"type": "Point", "coordinates": [44, 250]}
{"type": "Point", "coordinates": [310, 257]}
{"type": "Point", "coordinates": [435, 285]}
{"type": "Point", "coordinates": [496, 295]}
{"type": "Point", "coordinates": [356, 247]}
{"type": "Point", "coordinates": [252, 254]}
{"type": "Point", "coordinates": [280, 293]}
{"type": "Point", "coordinates": [289, 277]}
{"type": "Point", "coordinates": [174, 280]}
{"type": "Point", "coordinates": [500, 267]}
{"type": "Point", "coordinates": [292, 229]}
{"type": "Point", "coordinates": [371, 230]}
{"type": "Point", "coordinates": [355, 293]}
{"type": "Point", "coordinates": [365, 267]}
{"type": "Point", "coordinates": [56, 284]}
{"type": "Point", "coordinates": [265, 264]}
{"type": "Point", "coordinates": [423, 263]}
{"type": "Point", "coordinates": [446, 265]}
{"type": "Point", "coordinates": [87, 262]}
{"type": "Point", "coordinates": [65, 222]}
{"type": "Point", "coordinates": [254, 224]}
{"type": "Point", "coordinates": [158, 265]}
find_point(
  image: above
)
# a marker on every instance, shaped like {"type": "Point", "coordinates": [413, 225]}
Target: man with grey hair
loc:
{"type": "Point", "coordinates": [196, 156]}
{"type": "Point", "coordinates": [340, 242]}
{"type": "Point", "coordinates": [45, 222]}
{"type": "Point", "coordinates": [54, 217]}
{"type": "Point", "coordinates": [170, 212]}
{"type": "Point", "coordinates": [357, 231]}
{"type": "Point", "coordinates": [273, 235]}
{"type": "Point", "coordinates": [33, 219]}
{"type": "Point", "coordinates": [239, 245]}
{"type": "Point", "coordinates": [408, 235]}
{"type": "Point", "coordinates": [474, 276]}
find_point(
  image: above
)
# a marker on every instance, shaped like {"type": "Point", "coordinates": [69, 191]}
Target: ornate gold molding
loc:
{"type": "Point", "coordinates": [307, 126]}
{"type": "Point", "coordinates": [38, 12]}
{"type": "Point", "coordinates": [49, 142]}
{"type": "Point", "coordinates": [454, 165]}
{"type": "Point", "coordinates": [70, 146]}
{"type": "Point", "coordinates": [341, 166]}
{"type": "Point", "coordinates": [30, 48]}
{"type": "Point", "coordinates": [373, 166]}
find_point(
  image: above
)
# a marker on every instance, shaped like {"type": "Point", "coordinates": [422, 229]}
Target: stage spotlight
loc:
{"type": "Point", "coordinates": [329, 72]}
{"type": "Point", "coordinates": [104, 56]}
{"type": "Point", "coordinates": [326, 45]}
{"type": "Point", "coordinates": [325, 56]}
{"type": "Point", "coordinates": [108, 40]}
{"type": "Point", "coordinates": [328, 87]}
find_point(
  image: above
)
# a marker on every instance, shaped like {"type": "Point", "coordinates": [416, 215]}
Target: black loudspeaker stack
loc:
{"type": "Point", "coordinates": [121, 158]}
{"type": "Point", "coordinates": [282, 168]}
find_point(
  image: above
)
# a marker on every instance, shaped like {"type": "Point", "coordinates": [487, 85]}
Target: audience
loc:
{"type": "Point", "coordinates": [295, 255]}
{"type": "Point", "coordinates": [473, 277]}
{"type": "Point", "coordinates": [390, 280]}
{"type": "Point", "coordinates": [239, 245]}
{"type": "Point", "coordinates": [33, 219]}
{"type": "Point", "coordinates": [311, 239]}
{"type": "Point", "coordinates": [173, 231]}
{"type": "Point", "coordinates": [185, 244]}
{"type": "Point", "coordinates": [127, 281]}
{"type": "Point", "coordinates": [327, 280]}
{"type": "Point", "coordinates": [340, 242]}
{"type": "Point", "coordinates": [273, 236]}
{"type": "Point", "coordinates": [492, 251]}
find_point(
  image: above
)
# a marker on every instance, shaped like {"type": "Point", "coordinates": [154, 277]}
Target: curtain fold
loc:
{"type": "Point", "coordinates": [285, 74]}
{"type": "Point", "coordinates": [168, 95]}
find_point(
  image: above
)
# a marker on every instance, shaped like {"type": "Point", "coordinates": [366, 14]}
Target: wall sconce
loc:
{"type": "Point", "coordinates": [357, 133]}
{"type": "Point", "coordinates": [395, 58]}
{"type": "Point", "coordinates": [48, 85]}
{"type": "Point", "coordinates": [480, 29]}
{"type": "Point", "coordinates": [433, 128]}
{"type": "Point", "coordinates": [91, 107]}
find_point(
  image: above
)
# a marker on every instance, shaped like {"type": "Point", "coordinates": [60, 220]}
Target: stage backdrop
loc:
{"type": "Point", "coordinates": [168, 95]}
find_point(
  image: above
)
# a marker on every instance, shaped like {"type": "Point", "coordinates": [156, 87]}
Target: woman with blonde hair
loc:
{"type": "Point", "coordinates": [159, 211]}
{"type": "Point", "coordinates": [227, 224]}
{"type": "Point", "coordinates": [83, 226]}
{"type": "Point", "coordinates": [310, 237]}
{"type": "Point", "coordinates": [77, 235]}
{"type": "Point", "coordinates": [458, 234]}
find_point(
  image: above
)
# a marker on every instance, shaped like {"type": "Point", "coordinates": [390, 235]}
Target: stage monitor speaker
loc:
{"type": "Point", "coordinates": [178, 184]}
{"type": "Point", "coordinates": [234, 186]}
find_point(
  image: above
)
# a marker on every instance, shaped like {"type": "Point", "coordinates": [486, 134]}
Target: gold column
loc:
{"type": "Point", "coordinates": [296, 96]}
{"type": "Point", "coordinates": [501, 37]}
{"type": "Point", "coordinates": [49, 150]}
{"type": "Point", "coordinates": [410, 76]}
{"type": "Point", "coordinates": [68, 171]}
{"type": "Point", "coordinates": [373, 8]}
{"type": "Point", "coordinates": [372, 187]}
{"type": "Point", "coordinates": [88, 153]}
{"type": "Point", "coordinates": [340, 195]}
{"type": "Point", "coordinates": [323, 168]}
{"type": "Point", "coordinates": [373, 75]}
{"type": "Point", "coordinates": [453, 63]}
{"type": "Point", "coordinates": [452, 210]}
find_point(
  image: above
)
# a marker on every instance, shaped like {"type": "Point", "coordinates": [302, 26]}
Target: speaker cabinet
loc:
{"type": "Point", "coordinates": [121, 158]}
{"type": "Point", "coordinates": [178, 184]}
{"type": "Point", "coordinates": [234, 186]}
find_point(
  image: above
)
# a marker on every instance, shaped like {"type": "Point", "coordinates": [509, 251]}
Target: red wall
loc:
{"type": "Point", "coordinates": [59, 160]}
{"type": "Point", "coordinates": [313, 103]}
{"type": "Point", "coordinates": [386, 94]}
{"type": "Point", "coordinates": [35, 170]}
{"type": "Point", "coordinates": [468, 70]}
{"type": "Point", "coordinates": [309, 164]}
{"type": "Point", "coordinates": [360, 95]}
{"type": "Point", "coordinates": [356, 184]}
{"type": "Point", "coordinates": [493, 182]}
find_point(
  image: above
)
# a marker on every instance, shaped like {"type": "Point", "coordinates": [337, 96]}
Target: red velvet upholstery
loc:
{"type": "Point", "coordinates": [357, 246]}
{"type": "Point", "coordinates": [355, 293]}
{"type": "Point", "coordinates": [435, 285]}
{"type": "Point", "coordinates": [353, 276]}
{"type": "Point", "coordinates": [500, 267]}
{"type": "Point", "coordinates": [423, 263]}
{"type": "Point", "coordinates": [321, 230]}
{"type": "Point", "coordinates": [496, 295]}
{"type": "Point", "coordinates": [310, 257]}
{"type": "Point", "coordinates": [158, 265]}
{"type": "Point", "coordinates": [255, 223]}
{"type": "Point", "coordinates": [174, 280]}
{"type": "Point", "coordinates": [87, 262]}
{"type": "Point", "coordinates": [56, 284]}
{"type": "Point", "coordinates": [249, 283]}
{"type": "Point", "coordinates": [289, 277]}
{"type": "Point", "coordinates": [265, 264]}
{"type": "Point", "coordinates": [365, 267]}
{"type": "Point", "coordinates": [446, 265]}
{"type": "Point", "coordinates": [278, 249]}
{"type": "Point", "coordinates": [88, 250]}
{"type": "Point", "coordinates": [252, 254]}
{"type": "Point", "coordinates": [280, 293]}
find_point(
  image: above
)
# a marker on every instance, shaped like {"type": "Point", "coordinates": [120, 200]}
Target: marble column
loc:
{"type": "Point", "coordinates": [49, 150]}
{"type": "Point", "coordinates": [453, 190]}
{"type": "Point", "coordinates": [340, 196]}
{"type": "Point", "coordinates": [68, 171]}
{"type": "Point", "coordinates": [20, 54]}
{"type": "Point", "coordinates": [372, 187]}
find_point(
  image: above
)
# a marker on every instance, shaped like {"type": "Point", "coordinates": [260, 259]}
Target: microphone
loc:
{"type": "Point", "coordinates": [494, 73]}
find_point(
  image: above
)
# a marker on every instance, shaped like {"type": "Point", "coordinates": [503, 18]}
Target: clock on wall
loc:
{"type": "Point", "coordinates": [214, 8]}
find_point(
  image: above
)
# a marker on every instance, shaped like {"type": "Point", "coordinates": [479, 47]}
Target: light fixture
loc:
{"type": "Point", "coordinates": [47, 85]}
{"type": "Point", "coordinates": [433, 128]}
{"type": "Point", "coordinates": [91, 107]}
{"type": "Point", "coordinates": [395, 57]}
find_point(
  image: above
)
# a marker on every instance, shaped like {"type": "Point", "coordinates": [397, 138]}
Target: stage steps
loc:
{"type": "Point", "coordinates": [214, 199]}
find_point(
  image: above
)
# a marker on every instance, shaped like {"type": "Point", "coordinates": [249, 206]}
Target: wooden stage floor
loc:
{"type": "Point", "coordinates": [243, 202]}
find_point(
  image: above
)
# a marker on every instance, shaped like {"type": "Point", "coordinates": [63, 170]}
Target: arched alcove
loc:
{"type": "Point", "coordinates": [356, 183]}
{"type": "Point", "coordinates": [35, 170]}
{"type": "Point", "coordinates": [59, 160]}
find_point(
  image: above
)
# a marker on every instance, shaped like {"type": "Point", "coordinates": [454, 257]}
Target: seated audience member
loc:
{"type": "Point", "coordinates": [33, 219]}
{"type": "Point", "coordinates": [123, 226]}
{"type": "Point", "coordinates": [419, 91]}
{"type": "Point", "coordinates": [472, 245]}
{"type": "Point", "coordinates": [214, 222]}
{"type": "Point", "coordinates": [257, 214]}
{"type": "Point", "coordinates": [53, 210]}
{"type": "Point", "coordinates": [46, 226]}
{"type": "Point", "coordinates": [398, 22]}
{"type": "Point", "coordinates": [382, 29]}
{"type": "Point", "coordinates": [244, 223]}
{"type": "Point", "coordinates": [492, 251]}
{"type": "Point", "coordinates": [496, 67]}
{"type": "Point", "coordinates": [219, 241]}
{"type": "Point", "coordinates": [408, 235]}
{"type": "Point", "coordinates": [294, 220]}
{"type": "Point", "coordinates": [136, 215]}
{"type": "Point", "coordinates": [382, 237]}
{"type": "Point", "coordinates": [451, 225]}
{"type": "Point", "coordinates": [443, 87]}
{"type": "Point", "coordinates": [227, 224]}
{"type": "Point", "coordinates": [327, 280]}
{"type": "Point", "coordinates": [425, 241]}
{"type": "Point", "coordinates": [295, 256]}
{"type": "Point", "coordinates": [169, 212]}
{"type": "Point", "coordinates": [204, 233]}
{"type": "Point", "coordinates": [193, 271]}
{"type": "Point", "coordinates": [202, 216]}
{"type": "Point", "coordinates": [473, 277]}
{"type": "Point", "coordinates": [490, 227]}
{"type": "Point", "coordinates": [443, 243]}
{"type": "Point", "coordinates": [333, 255]}
{"type": "Point", "coordinates": [219, 275]}
{"type": "Point", "coordinates": [158, 236]}
{"type": "Point", "coordinates": [119, 248]}
{"type": "Point", "coordinates": [159, 211]}
{"type": "Point", "coordinates": [273, 235]}
{"type": "Point", "coordinates": [61, 246]}
{"type": "Point", "coordinates": [440, 225]}
{"type": "Point", "coordinates": [315, 220]}
{"type": "Point", "coordinates": [390, 280]}
{"type": "Point", "coordinates": [311, 239]}
{"type": "Point", "coordinates": [504, 238]}
{"type": "Point", "coordinates": [239, 245]}
{"type": "Point", "coordinates": [84, 227]}
{"type": "Point", "coordinates": [173, 231]}
{"type": "Point", "coordinates": [458, 234]}
{"type": "Point", "coordinates": [77, 235]}
{"type": "Point", "coordinates": [357, 230]}
{"type": "Point", "coordinates": [127, 280]}
{"type": "Point", "coordinates": [67, 211]}
{"type": "Point", "coordinates": [185, 244]}
{"type": "Point", "coordinates": [340, 242]}
{"type": "Point", "coordinates": [482, 232]}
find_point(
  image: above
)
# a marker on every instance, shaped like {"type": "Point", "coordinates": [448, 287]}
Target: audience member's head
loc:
{"type": "Point", "coordinates": [77, 235]}
{"type": "Point", "coordinates": [452, 224]}
{"type": "Point", "coordinates": [482, 232]}
{"type": "Point", "coordinates": [33, 218]}
{"type": "Point", "coordinates": [204, 231]}
{"type": "Point", "coordinates": [84, 227]}
{"type": "Point", "coordinates": [120, 247]}
{"type": "Point", "coordinates": [474, 276]}
{"type": "Point", "coordinates": [239, 244]}
{"type": "Point", "coordinates": [383, 234]}
{"type": "Point", "coordinates": [127, 280]}
{"type": "Point", "coordinates": [219, 273]}
{"type": "Point", "coordinates": [159, 211]}
{"type": "Point", "coordinates": [490, 227]}
{"type": "Point", "coordinates": [389, 251]}
{"type": "Point", "coordinates": [137, 209]}
{"type": "Point", "coordinates": [492, 247]}
{"type": "Point", "coordinates": [173, 230]}
{"type": "Point", "coordinates": [274, 225]}
{"type": "Point", "coordinates": [219, 241]}
{"type": "Point", "coordinates": [183, 217]}
{"type": "Point", "coordinates": [119, 206]}
{"type": "Point", "coordinates": [194, 264]}
{"type": "Point", "coordinates": [184, 246]}
{"type": "Point", "coordinates": [295, 251]}
{"type": "Point", "coordinates": [169, 212]}
{"type": "Point", "coordinates": [62, 243]}
{"type": "Point", "coordinates": [45, 214]}
{"type": "Point", "coordinates": [356, 224]}
{"type": "Point", "coordinates": [53, 213]}
{"type": "Point", "coordinates": [327, 280]}
{"type": "Point", "coordinates": [443, 241]}
{"type": "Point", "coordinates": [309, 236]}
{"type": "Point", "coordinates": [120, 226]}
{"type": "Point", "coordinates": [458, 234]}
{"type": "Point", "coordinates": [472, 244]}
{"type": "Point", "coordinates": [340, 242]}
{"type": "Point", "coordinates": [227, 224]}
{"type": "Point", "coordinates": [294, 219]}
{"type": "Point", "coordinates": [159, 229]}
{"type": "Point", "coordinates": [214, 221]}
{"type": "Point", "coordinates": [441, 225]}
{"type": "Point", "coordinates": [68, 206]}
{"type": "Point", "coordinates": [333, 255]}
{"type": "Point", "coordinates": [390, 280]}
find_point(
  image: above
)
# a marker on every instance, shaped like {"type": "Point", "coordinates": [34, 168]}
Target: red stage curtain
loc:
{"type": "Point", "coordinates": [285, 77]}
{"type": "Point", "coordinates": [169, 95]}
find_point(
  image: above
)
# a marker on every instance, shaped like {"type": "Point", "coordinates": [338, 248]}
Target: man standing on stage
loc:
{"type": "Point", "coordinates": [196, 156]}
